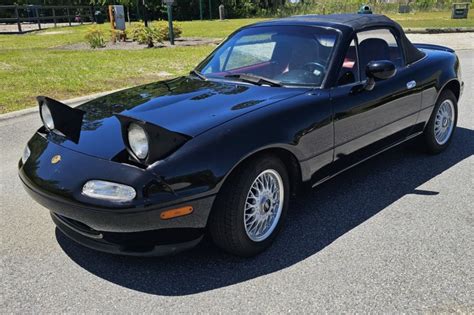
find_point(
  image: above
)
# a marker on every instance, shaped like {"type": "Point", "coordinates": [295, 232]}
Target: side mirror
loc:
{"type": "Point", "coordinates": [380, 70]}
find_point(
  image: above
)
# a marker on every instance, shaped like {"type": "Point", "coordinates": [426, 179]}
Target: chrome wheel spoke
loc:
{"type": "Point", "coordinates": [444, 122]}
{"type": "Point", "coordinates": [263, 205]}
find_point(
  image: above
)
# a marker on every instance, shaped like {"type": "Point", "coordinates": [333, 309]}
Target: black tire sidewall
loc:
{"type": "Point", "coordinates": [227, 225]}
{"type": "Point", "coordinates": [261, 166]}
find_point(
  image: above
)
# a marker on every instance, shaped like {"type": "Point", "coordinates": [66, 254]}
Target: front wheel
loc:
{"type": "Point", "coordinates": [440, 128]}
{"type": "Point", "coordinates": [251, 207]}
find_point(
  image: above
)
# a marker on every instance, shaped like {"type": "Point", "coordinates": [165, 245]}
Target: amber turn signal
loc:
{"type": "Point", "coordinates": [173, 213]}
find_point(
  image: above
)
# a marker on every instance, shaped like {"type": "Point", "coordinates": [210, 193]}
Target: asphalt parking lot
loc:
{"type": "Point", "coordinates": [395, 234]}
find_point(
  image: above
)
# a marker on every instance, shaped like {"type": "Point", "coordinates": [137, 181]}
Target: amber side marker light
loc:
{"type": "Point", "coordinates": [174, 213]}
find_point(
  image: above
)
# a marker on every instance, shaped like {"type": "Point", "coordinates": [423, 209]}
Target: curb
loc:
{"type": "Point", "coordinates": [73, 102]}
{"type": "Point", "coordinates": [439, 30]}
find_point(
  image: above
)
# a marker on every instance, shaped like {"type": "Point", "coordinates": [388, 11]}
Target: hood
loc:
{"type": "Point", "coordinates": [185, 105]}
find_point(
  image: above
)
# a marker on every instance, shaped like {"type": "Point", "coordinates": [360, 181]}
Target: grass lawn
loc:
{"type": "Point", "coordinates": [431, 20]}
{"type": "Point", "coordinates": [32, 64]}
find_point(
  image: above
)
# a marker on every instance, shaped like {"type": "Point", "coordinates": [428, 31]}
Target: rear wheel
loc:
{"type": "Point", "coordinates": [440, 128]}
{"type": "Point", "coordinates": [251, 207]}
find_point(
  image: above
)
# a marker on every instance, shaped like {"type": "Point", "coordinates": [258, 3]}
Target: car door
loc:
{"type": "Point", "coordinates": [366, 121]}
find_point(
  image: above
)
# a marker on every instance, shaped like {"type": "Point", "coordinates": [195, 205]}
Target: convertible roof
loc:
{"type": "Point", "coordinates": [354, 21]}
{"type": "Point", "coordinates": [350, 23]}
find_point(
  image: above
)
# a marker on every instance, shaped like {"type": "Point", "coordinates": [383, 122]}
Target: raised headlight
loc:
{"type": "Point", "coordinates": [138, 141]}
{"type": "Point", "coordinates": [26, 154]}
{"type": "Point", "coordinates": [101, 189]}
{"type": "Point", "coordinates": [47, 117]}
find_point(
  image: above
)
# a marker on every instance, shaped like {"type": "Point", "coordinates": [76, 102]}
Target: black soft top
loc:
{"type": "Point", "coordinates": [349, 24]}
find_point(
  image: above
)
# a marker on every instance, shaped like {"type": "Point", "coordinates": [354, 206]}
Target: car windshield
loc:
{"type": "Point", "coordinates": [290, 55]}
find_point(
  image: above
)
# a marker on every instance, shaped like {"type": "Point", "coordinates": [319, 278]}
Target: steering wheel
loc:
{"type": "Point", "coordinates": [312, 66]}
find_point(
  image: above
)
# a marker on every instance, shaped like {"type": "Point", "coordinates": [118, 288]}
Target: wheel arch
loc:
{"type": "Point", "coordinates": [288, 158]}
{"type": "Point", "coordinates": [452, 85]}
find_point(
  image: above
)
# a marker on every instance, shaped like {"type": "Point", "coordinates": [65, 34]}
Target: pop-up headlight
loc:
{"type": "Point", "coordinates": [46, 116]}
{"type": "Point", "coordinates": [138, 140]}
{"type": "Point", "coordinates": [60, 118]}
{"type": "Point", "coordinates": [147, 143]}
{"type": "Point", "coordinates": [26, 154]}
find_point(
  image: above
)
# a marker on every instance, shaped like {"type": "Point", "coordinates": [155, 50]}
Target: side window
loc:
{"type": "Point", "coordinates": [349, 72]}
{"type": "Point", "coordinates": [378, 44]}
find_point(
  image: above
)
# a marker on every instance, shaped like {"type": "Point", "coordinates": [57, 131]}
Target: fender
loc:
{"type": "Point", "coordinates": [202, 164]}
{"type": "Point", "coordinates": [435, 81]}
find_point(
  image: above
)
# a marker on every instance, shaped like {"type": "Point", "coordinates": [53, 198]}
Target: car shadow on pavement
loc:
{"type": "Point", "coordinates": [315, 220]}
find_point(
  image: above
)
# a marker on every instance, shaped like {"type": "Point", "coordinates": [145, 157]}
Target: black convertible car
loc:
{"type": "Point", "coordinates": [281, 103]}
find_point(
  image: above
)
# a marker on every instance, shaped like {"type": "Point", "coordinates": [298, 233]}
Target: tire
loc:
{"type": "Point", "coordinates": [227, 225]}
{"type": "Point", "coordinates": [432, 144]}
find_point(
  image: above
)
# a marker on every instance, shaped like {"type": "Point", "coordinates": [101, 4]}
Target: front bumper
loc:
{"type": "Point", "coordinates": [133, 228]}
{"type": "Point", "coordinates": [121, 220]}
{"type": "Point", "coordinates": [151, 243]}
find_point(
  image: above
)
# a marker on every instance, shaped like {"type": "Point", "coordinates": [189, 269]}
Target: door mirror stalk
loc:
{"type": "Point", "coordinates": [369, 84]}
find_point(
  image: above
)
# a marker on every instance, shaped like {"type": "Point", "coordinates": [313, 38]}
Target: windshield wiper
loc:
{"type": "Point", "coordinates": [198, 74]}
{"type": "Point", "coordinates": [255, 79]}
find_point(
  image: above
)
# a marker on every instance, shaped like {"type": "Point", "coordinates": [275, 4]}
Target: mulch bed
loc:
{"type": "Point", "coordinates": [129, 45]}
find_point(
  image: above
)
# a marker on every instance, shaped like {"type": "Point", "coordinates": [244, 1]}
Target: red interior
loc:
{"type": "Point", "coordinates": [267, 68]}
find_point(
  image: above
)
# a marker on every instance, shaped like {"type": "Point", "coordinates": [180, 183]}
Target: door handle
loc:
{"type": "Point", "coordinates": [411, 84]}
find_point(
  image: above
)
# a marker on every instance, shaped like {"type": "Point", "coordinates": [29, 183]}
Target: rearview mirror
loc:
{"type": "Point", "coordinates": [380, 70]}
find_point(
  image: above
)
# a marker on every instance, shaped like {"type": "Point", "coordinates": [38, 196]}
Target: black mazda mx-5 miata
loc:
{"type": "Point", "coordinates": [281, 103]}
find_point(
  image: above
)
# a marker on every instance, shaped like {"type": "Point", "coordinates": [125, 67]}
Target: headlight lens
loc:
{"type": "Point", "coordinates": [26, 155]}
{"type": "Point", "coordinates": [47, 117]}
{"type": "Point", "coordinates": [138, 141]}
{"type": "Point", "coordinates": [101, 189]}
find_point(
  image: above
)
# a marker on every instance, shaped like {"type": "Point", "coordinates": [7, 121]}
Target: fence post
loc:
{"type": "Point", "coordinates": [68, 16]}
{"type": "Point", "coordinates": [91, 10]}
{"type": "Point", "coordinates": [38, 17]}
{"type": "Point", "coordinates": [18, 19]}
{"type": "Point", "coordinates": [210, 9]}
{"type": "Point", "coordinates": [221, 12]}
{"type": "Point", "coordinates": [200, 10]}
{"type": "Point", "coordinates": [54, 16]}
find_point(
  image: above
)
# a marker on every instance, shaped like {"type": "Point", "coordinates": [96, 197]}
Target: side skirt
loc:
{"type": "Point", "coordinates": [365, 159]}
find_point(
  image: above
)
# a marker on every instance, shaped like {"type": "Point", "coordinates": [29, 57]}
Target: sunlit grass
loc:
{"type": "Point", "coordinates": [431, 20]}
{"type": "Point", "coordinates": [26, 73]}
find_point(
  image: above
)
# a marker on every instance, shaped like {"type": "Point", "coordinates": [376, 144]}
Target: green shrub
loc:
{"type": "Point", "coordinates": [162, 26]}
{"type": "Point", "coordinates": [95, 38]}
{"type": "Point", "coordinates": [134, 32]}
{"type": "Point", "coordinates": [145, 35]}
{"type": "Point", "coordinates": [156, 32]}
{"type": "Point", "coordinates": [116, 35]}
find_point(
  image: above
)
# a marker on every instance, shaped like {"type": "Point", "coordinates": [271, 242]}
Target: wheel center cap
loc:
{"type": "Point", "coordinates": [445, 122]}
{"type": "Point", "coordinates": [265, 204]}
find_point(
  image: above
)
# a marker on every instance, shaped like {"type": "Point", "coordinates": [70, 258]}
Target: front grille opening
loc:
{"type": "Point", "coordinates": [79, 226]}
{"type": "Point", "coordinates": [138, 242]}
{"type": "Point", "coordinates": [143, 241]}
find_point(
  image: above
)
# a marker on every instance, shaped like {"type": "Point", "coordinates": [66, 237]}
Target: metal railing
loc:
{"type": "Point", "coordinates": [39, 14]}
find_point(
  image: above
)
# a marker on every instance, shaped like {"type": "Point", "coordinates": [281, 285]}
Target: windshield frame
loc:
{"type": "Point", "coordinates": [330, 61]}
